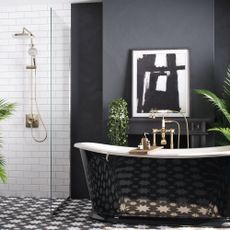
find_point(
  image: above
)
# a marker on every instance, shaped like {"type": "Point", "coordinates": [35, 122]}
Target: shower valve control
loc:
{"type": "Point", "coordinates": [32, 120]}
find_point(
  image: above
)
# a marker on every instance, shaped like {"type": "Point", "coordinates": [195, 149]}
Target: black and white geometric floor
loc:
{"type": "Point", "coordinates": [32, 213]}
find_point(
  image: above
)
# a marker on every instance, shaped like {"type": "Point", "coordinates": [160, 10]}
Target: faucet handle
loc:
{"type": "Point", "coordinates": [163, 139]}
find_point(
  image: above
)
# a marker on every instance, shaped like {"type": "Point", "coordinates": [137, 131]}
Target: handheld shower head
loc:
{"type": "Point", "coordinates": [32, 51]}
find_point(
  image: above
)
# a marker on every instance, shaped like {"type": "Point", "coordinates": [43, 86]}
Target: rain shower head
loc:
{"type": "Point", "coordinates": [24, 34]}
{"type": "Point", "coordinates": [21, 36]}
{"type": "Point", "coordinates": [32, 50]}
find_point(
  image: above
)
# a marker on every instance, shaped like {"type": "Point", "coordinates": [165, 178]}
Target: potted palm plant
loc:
{"type": "Point", "coordinates": [6, 110]}
{"type": "Point", "coordinates": [222, 105]}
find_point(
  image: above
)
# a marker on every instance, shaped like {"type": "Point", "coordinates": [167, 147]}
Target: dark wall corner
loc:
{"type": "Point", "coordinates": [222, 42]}
{"type": "Point", "coordinates": [86, 85]}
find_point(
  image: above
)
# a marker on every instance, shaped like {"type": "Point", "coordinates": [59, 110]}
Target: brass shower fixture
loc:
{"type": "Point", "coordinates": [32, 119]}
{"type": "Point", "coordinates": [24, 34]}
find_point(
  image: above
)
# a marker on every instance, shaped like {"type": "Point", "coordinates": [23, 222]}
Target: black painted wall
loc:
{"type": "Point", "coordinates": [86, 85]}
{"type": "Point", "coordinates": [222, 42]}
{"type": "Point", "coordinates": [157, 24]}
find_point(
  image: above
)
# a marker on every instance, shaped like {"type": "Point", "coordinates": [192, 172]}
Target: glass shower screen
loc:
{"type": "Point", "coordinates": [60, 107]}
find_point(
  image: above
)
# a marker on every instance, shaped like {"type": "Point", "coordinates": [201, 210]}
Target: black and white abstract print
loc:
{"type": "Point", "coordinates": [160, 81]}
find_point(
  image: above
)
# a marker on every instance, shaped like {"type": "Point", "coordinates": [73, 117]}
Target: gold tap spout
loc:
{"type": "Point", "coordinates": [163, 139]}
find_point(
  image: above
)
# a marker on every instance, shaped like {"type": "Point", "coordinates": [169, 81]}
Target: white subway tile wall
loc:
{"type": "Point", "coordinates": [28, 162]}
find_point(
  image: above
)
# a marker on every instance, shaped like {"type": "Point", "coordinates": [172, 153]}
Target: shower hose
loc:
{"type": "Point", "coordinates": [34, 99]}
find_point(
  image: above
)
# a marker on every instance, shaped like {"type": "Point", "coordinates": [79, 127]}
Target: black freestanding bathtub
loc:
{"type": "Point", "coordinates": [187, 184]}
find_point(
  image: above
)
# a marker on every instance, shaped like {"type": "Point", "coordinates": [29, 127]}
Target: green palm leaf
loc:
{"type": "Point", "coordinates": [227, 84]}
{"type": "Point", "coordinates": [6, 109]}
{"type": "Point", "coordinates": [3, 176]}
{"type": "Point", "coordinates": [216, 101]}
{"type": "Point", "coordinates": [227, 89]}
{"type": "Point", "coordinates": [224, 131]}
{"type": "Point", "coordinates": [223, 105]}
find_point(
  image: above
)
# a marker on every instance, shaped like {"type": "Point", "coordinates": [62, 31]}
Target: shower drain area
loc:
{"type": "Point", "coordinates": [33, 213]}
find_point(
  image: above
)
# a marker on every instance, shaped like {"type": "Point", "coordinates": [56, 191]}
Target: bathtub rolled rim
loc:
{"type": "Point", "coordinates": [220, 151]}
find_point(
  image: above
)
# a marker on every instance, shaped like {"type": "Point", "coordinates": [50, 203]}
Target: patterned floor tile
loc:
{"type": "Point", "coordinates": [32, 213]}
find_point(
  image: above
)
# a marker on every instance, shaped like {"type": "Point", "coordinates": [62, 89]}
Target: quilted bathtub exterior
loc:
{"type": "Point", "coordinates": [123, 186]}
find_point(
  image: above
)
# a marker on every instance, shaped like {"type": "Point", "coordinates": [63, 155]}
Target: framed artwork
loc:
{"type": "Point", "coordinates": [160, 81]}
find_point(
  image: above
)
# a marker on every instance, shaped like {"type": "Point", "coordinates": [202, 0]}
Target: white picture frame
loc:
{"type": "Point", "coordinates": [160, 81]}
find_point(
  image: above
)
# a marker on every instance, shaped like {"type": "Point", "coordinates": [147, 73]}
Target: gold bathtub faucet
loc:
{"type": "Point", "coordinates": [163, 132]}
